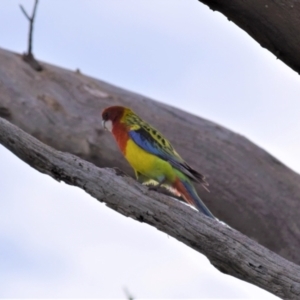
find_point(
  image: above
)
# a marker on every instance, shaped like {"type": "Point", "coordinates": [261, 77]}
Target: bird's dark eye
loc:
{"type": "Point", "coordinates": [105, 116]}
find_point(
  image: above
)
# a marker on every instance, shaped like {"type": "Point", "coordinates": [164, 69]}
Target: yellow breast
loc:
{"type": "Point", "coordinates": [146, 163]}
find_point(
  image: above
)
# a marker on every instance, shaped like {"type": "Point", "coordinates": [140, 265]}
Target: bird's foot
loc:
{"type": "Point", "coordinates": [156, 187]}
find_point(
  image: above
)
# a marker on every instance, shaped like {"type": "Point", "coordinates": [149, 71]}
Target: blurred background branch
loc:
{"type": "Point", "coordinates": [273, 24]}
{"type": "Point", "coordinates": [60, 99]}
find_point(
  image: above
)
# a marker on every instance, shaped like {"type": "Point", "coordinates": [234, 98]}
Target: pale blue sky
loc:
{"type": "Point", "coordinates": [56, 241]}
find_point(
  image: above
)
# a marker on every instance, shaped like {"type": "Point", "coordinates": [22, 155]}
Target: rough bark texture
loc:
{"type": "Point", "coordinates": [250, 190]}
{"type": "Point", "coordinates": [227, 249]}
{"type": "Point", "coordinates": [274, 24]}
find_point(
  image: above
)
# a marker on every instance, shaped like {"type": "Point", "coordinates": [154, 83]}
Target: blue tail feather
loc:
{"type": "Point", "coordinates": [193, 196]}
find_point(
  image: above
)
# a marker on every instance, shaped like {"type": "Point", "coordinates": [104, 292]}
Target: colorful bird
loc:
{"type": "Point", "coordinates": [152, 157]}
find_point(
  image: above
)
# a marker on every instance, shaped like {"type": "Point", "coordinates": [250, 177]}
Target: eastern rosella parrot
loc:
{"type": "Point", "coordinates": [152, 157]}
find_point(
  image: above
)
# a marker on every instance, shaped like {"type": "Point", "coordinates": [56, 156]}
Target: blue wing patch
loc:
{"type": "Point", "coordinates": [146, 141]}
{"type": "Point", "coordinates": [143, 139]}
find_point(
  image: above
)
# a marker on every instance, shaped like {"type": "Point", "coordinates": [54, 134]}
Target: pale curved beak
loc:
{"type": "Point", "coordinates": [107, 125]}
{"type": "Point", "coordinates": [103, 124]}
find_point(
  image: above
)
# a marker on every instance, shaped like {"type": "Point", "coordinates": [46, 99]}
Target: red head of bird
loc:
{"type": "Point", "coordinates": [113, 115]}
{"type": "Point", "coordinates": [114, 120]}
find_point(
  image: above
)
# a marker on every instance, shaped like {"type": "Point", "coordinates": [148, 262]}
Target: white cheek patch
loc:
{"type": "Point", "coordinates": [108, 125]}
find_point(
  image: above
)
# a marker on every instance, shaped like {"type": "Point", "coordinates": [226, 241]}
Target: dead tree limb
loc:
{"type": "Point", "coordinates": [29, 57]}
{"type": "Point", "coordinates": [250, 189]}
{"type": "Point", "coordinates": [228, 250]}
{"type": "Point", "coordinates": [274, 24]}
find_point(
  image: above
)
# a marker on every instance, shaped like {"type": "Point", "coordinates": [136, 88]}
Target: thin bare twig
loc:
{"type": "Point", "coordinates": [29, 57]}
{"type": "Point", "coordinates": [128, 294]}
{"type": "Point", "coordinates": [25, 12]}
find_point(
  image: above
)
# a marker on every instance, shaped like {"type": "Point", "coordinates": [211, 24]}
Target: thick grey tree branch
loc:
{"type": "Point", "coordinates": [274, 24]}
{"type": "Point", "coordinates": [227, 249]}
{"type": "Point", "coordinates": [250, 189]}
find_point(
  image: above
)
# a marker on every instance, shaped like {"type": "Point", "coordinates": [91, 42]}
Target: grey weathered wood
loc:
{"type": "Point", "coordinates": [274, 24]}
{"type": "Point", "coordinates": [227, 249]}
{"type": "Point", "coordinates": [250, 190]}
